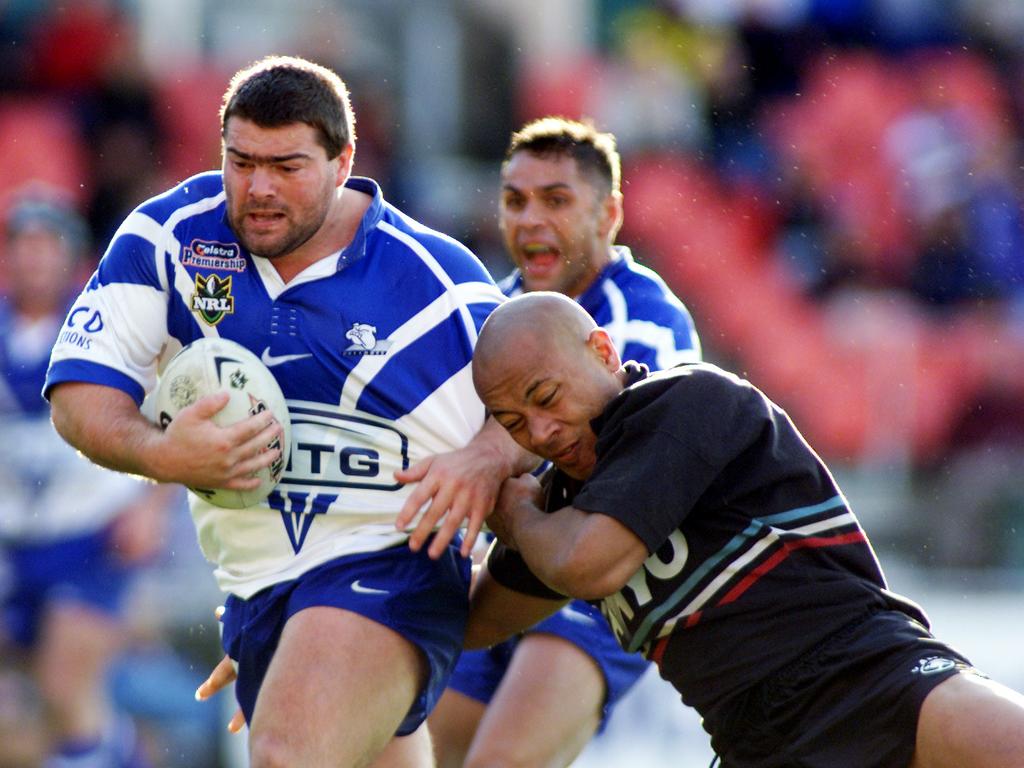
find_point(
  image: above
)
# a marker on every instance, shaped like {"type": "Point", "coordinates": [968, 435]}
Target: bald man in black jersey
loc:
{"type": "Point", "coordinates": [718, 545]}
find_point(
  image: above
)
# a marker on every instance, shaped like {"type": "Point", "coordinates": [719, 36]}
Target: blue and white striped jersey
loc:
{"type": "Point", "coordinates": [646, 321]}
{"type": "Point", "coordinates": [49, 490]}
{"type": "Point", "coordinates": [371, 347]}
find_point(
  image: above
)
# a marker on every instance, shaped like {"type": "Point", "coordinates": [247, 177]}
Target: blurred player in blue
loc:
{"type": "Point", "coordinates": [538, 700]}
{"type": "Point", "coordinates": [347, 587]}
{"type": "Point", "coordinates": [75, 533]}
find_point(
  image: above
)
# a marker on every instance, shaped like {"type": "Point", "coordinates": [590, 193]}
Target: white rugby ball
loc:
{"type": "Point", "coordinates": [210, 365]}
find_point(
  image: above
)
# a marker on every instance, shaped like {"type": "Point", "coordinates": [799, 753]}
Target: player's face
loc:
{"type": "Point", "coordinates": [556, 224]}
{"type": "Point", "coordinates": [547, 399]}
{"type": "Point", "coordinates": [279, 183]}
{"type": "Point", "coordinates": [38, 265]}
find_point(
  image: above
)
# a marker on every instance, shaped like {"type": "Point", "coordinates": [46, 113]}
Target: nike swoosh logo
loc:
{"type": "Point", "coordinates": [357, 587]}
{"type": "Point", "coordinates": [270, 360]}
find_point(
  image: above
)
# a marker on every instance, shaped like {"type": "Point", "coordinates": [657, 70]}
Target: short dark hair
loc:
{"type": "Point", "coordinates": [594, 151]}
{"type": "Point", "coordinates": [281, 90]}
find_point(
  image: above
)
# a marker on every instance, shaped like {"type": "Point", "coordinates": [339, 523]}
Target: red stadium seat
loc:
{"type": "Point", "coordinates": [39, 142]}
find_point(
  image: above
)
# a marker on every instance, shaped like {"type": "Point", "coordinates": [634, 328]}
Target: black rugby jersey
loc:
{"type": "Point", "coordinates": [755, 554]}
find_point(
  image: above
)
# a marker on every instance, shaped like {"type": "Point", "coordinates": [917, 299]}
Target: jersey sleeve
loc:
{"type": "Point", "coordinates": [664, 338]}
{"type": "Point", "coordinates": [117, 327]}
{"type": "Point", "coordinates": [662, 449]}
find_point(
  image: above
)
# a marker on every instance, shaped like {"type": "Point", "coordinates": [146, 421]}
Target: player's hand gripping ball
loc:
{"type": "Point", "coordinates": [210, 365]}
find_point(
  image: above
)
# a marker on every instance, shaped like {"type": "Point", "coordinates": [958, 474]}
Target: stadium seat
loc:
{"type": "Point", "coordinates": [39, 142]}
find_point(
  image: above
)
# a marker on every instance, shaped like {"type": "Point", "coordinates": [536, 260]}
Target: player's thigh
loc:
{"type": "Point", "coordinates": [337, 689]}
{"type": "Point", "coordinates": [412, 751]}
{"type": "Point", "coordinates": [453, 724]}
{"type": "Point", "coordinates": [970, 720]}
{"type": "Point", "coordinates": [546, 709]}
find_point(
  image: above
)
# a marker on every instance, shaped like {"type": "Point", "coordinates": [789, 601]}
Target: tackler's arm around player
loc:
{"type": "Point", "coordinates": [106, 425]}
{"type": "Point", "coordinates": [576, 553]}
{"type": "Point", "coordinates": [460, 487]}
{"type": "Point", "coordinates": [497, 612]}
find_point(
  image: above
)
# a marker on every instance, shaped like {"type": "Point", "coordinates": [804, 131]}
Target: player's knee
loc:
{"type": "Point", "coordinates": [497, 761]}
{"type": "Point", "coordinates": [499, 755]}
{"type": "Point", "coordinates": [268, 750]}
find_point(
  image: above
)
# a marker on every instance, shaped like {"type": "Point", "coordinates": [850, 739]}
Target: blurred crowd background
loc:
{"type": "Point", "coordinates": [835, 188]}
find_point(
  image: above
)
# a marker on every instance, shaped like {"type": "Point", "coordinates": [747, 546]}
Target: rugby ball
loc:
{"type": "Point", "coordinates": [210, 365]}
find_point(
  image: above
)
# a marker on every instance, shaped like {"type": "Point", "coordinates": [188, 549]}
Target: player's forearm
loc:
{"type": "Point", "coordinates": [495, 438]}
{"type": "Point", "coordinates": [588, 556]}
{"type": "Point", "coordinates": [106, 426]}
{"type": "Point", "coordinates": [496, 613]}
{"type": "Point", "coordinates": [546, 543]}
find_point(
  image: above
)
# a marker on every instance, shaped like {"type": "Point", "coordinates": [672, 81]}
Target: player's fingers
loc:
{"type": "Point", "coordinates": [420, 495]}
{"type": "Point", "coordinates": [237, 722]}
{"type": "Point", "coordinates": [208, 405]}
{"type": "Point", "coordinates": [448, 530]}
{"type": "Point", "coordinates": [439, 504]}
{"type": "Point", "coordinates": [222, 675]}
{"type": "Point", "coordinates": [263, 449]}
{"type": "Point", "coordinates": [414, 473]}
{"type": "Point", "coordinates": [244, 480]}
{"type": "Point", "coordinates": [258, 430]}
{"type": "Point", "coordinates": [473, 528]}
{"type": "Point", "coordinates": [218, 612]}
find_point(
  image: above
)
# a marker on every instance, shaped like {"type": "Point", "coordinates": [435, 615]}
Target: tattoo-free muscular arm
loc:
{"type": "Point", "coordinates": [497, 613]}
{"type": "Point", "coordinates": [582, 554]}
{"type": "Point", "coordinates": [105, 424]}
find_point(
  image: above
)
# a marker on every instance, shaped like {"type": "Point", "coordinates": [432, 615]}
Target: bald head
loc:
{"type": "Point", "coordinates": [542, 322]}
{"type": "Point", "coordinates": [544, 369]}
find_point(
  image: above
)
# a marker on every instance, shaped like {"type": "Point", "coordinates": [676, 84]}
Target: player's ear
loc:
{"type": "Point", "coordinates": [611, 215]}
{"type": "Point", "coordinates": [345, 163]}
{"type": "Point", "coordinates": [601, 343]}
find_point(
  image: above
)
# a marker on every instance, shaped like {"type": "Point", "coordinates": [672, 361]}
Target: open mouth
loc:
{"type": "Point", "coordinates": [539, 259]}
{"type": "Point", "coordinates": [264, 217]}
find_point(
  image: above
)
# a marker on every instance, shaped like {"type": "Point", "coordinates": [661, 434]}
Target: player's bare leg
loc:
{"type": "Point", "coordinates": [75, 648]}
{"type": "Point", "coordinates": [412, 751]}
{"type": "Point", "coordinates": [336, 691]}
{"type": "Point", "coordinates": [546, 709]}
{"type": "Point", "coordinates": [453, 724]}
{"type": "Point", "coordinates": [968, 720]}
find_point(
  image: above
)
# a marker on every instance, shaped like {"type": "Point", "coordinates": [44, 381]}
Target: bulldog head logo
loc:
{"type": "Point", "coordinates": [362, 335]}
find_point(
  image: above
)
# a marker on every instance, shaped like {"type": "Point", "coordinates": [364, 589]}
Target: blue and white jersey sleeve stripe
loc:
{"type": "Point", "coordinates": [645, 320]}
{"type": "Point", "coordinates": [116, 329]}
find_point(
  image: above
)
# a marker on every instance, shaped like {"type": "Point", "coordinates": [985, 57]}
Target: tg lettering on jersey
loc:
{"type": "Point", "coordinates": [331, 450]}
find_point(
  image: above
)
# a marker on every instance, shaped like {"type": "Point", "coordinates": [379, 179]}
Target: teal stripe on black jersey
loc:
{"type": "Point", "coordinates": [723, 559]}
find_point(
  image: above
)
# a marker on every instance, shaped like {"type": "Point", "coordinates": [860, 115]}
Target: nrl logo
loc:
{"type": "Point", "coordinates": [364, 340]}
{"type": "Point", "coordinates": [213, 299]}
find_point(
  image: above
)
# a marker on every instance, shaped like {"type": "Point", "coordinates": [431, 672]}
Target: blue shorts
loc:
{"type": "Point", "coordinates": [425, 601]}
{"type": "Point", "coordinates": [479, 673]}
{"type": "Point", "coordinates": [81, 569]}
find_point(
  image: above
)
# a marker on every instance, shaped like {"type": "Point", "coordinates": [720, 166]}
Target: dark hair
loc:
{"type": "Point", "coordinates": [281, 90]}
{"type": "Point", "coordinates": [594, 151]}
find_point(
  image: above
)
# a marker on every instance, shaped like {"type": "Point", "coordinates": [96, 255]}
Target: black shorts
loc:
{"type": "Point", "coordinates": [852, 702]}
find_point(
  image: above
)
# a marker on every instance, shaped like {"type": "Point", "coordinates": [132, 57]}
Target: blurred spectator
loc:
{"type": "Point", "coordinates": [119, 121]}
{"type": "Point", "coordinates": [70, 41]}
{"type": "Point", "coordinates": [74, 534]}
